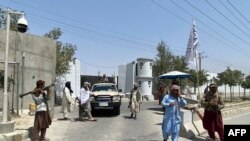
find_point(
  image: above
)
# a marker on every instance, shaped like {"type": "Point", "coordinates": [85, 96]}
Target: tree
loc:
{"type": "Point", "coordinates": [202, 78]}
{"type": "Point", "coordinates": [222, 79]}
{"type": "Point", "coordinates": [64, 52]}
{"type": "Point", "coordinates": [165, 62]}
{"type": "Point", "coordinates": [238, 76]}
{"type": "Point", "coordinates": [229, 77]}
{"type": "Point", "coordinates": [246, 84]}
{"type": "Point", "coordinates": [13, 20]}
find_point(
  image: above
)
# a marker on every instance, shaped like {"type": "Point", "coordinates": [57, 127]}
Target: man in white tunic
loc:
{"type": "Point", "coordinates": [67, 100]}
{"type": "Point", "coordinates": [85, 109]}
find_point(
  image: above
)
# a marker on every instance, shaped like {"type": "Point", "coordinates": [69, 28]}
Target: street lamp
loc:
{"type": "Point", "coordinates": [22, 27]}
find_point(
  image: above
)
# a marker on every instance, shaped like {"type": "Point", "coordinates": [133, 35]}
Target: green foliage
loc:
{"type": "Point", "coordinates": [202, 77]}
{"type": "Point", "coordinates": [246, 83]}
{"type": "Point", "coordinates": [163, 60]}
{"type": "Point", "coordinates": [64, 52]}
{"type": "Point", "coordinates": [166, 61]}
{"type": "Point", "coordinates": [54, 34]}
{"type": "Point", "coordinates": [231, 77]}
{"type": "Point", "coordinates": [13, 20]}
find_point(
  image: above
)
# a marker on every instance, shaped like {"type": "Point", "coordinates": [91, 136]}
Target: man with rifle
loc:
{"type": "Point", "coordinates": [40, 95]}
{"type": "Point", "coordinates": [212, 120]}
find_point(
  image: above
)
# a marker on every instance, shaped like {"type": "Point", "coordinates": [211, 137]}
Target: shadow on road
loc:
{"type": "Point", "coordinates": [156, 109]}
{"type": "Point", "coordinates": [128, 117]}
{"type": "Point", "coordinates": [103, 113]}
{"type": "Point", "coordinates": [159, 113]}
{"type": "Point", "coordinates": [158, 124]}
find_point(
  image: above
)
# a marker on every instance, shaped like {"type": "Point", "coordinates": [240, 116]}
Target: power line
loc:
{"type": "Point", "coordinates": [92, 31]}
{"type": "Point", "coordinates": [98, 27]}
{"type": "Point", "coordinates": [238, 11]}
{"type": "Point", "coordinates": [226, 18]}
{"type": "Point", "coordinates": [239, 49]}
{"type": "Point", "coordinates": [77, 27]}
{"type": "Point", "coordinates": [99, 66]}
{"type": "Point", "coordinates": [216, 22]}
{"type": "Point", "coordinates": [173, 13]}
{"type": "Point", "coordinates": [234, 15]}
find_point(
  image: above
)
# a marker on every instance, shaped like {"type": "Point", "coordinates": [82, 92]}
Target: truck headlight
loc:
{"type": "Point", "coordinates": [116, 98]}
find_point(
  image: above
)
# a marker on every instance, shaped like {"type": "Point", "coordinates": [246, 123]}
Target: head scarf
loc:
{"type": "Point", "coordinates": [136, 84]}
{"type": "Point", "coordinates": [68, 85]}
{"type": "Point", "coordinates": [39, 82]}
{"type": "Point", "coordinates": [86, 84]}
{"type": "Point", "coordinates": [175, 87]}
{"type": "Point", "coordinates": [213, 85]}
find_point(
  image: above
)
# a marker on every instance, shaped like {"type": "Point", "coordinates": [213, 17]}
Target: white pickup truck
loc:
{"type": "Point", "coordinates": [105, 96]}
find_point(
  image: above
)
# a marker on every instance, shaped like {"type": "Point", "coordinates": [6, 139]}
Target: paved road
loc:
{"type": "Point", "coordinates": [242, 118]}
{"type": "Point", "coordinates": [239, 119]}
{"type": "Point", "coordinates": [147, 127]}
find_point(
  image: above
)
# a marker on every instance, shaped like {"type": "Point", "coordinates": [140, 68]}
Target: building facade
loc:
{"type": "Point", "coordinates": [139, 71]}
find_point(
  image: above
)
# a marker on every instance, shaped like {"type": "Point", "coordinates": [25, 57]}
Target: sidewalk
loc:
{"type": "Point", "coordinates": [23, 127]}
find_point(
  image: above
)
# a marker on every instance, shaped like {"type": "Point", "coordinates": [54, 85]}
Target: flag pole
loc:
{"type": "Point", "coordinates": [192, 55]}
{"type": "Point", "coordinates": [198, 80]}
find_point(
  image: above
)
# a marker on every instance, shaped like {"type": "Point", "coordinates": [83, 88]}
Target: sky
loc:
{"type": "Point", "coordinates": [109, 33]}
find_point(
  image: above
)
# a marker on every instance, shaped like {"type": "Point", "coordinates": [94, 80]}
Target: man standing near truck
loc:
{"type": "Point", "coordinates": [85, 109]}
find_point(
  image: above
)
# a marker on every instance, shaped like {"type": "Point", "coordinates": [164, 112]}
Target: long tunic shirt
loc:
{"type": "Point", "coordinates": [135, 99]}
{"type": "Point", "coordinates": [42, 105]}
{"type": "Point", "coordinates": [67, 101]}
{"type": "Point", "coordinates": [171, 120]}
{"type": "Point", "coordinates": [84, 95]}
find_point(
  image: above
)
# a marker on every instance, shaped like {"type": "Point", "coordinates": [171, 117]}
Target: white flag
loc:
{"type": "Point", "coordinates": [191, 52]}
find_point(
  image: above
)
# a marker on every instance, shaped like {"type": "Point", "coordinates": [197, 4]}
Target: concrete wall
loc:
{"type": "Point", "coordinates": [39, 62]}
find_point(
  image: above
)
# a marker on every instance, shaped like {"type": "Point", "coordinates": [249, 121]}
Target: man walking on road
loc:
{"type": "Point", "coordinates": [172, 120]}
{"type": "Point", "coordinates": [135, 101]}
{"type": "Point", "coordinates": [212, 120]}
{"type": "Point", "coordinates": [67, 100]}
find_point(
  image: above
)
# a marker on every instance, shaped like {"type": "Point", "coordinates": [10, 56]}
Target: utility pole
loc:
{"type": "Point", "coordinates": [201, 56]}
{"type": "Point", "coordinates": [198, 70]}
{"type": "Point", "coordinates": [7, 126]}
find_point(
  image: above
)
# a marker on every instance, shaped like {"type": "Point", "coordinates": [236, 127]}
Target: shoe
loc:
{"type": "Point", "coordinates": [92, 119]}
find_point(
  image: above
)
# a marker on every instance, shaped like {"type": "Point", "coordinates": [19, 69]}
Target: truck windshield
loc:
{"type": "Point", "coordinates": [104, 88]}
